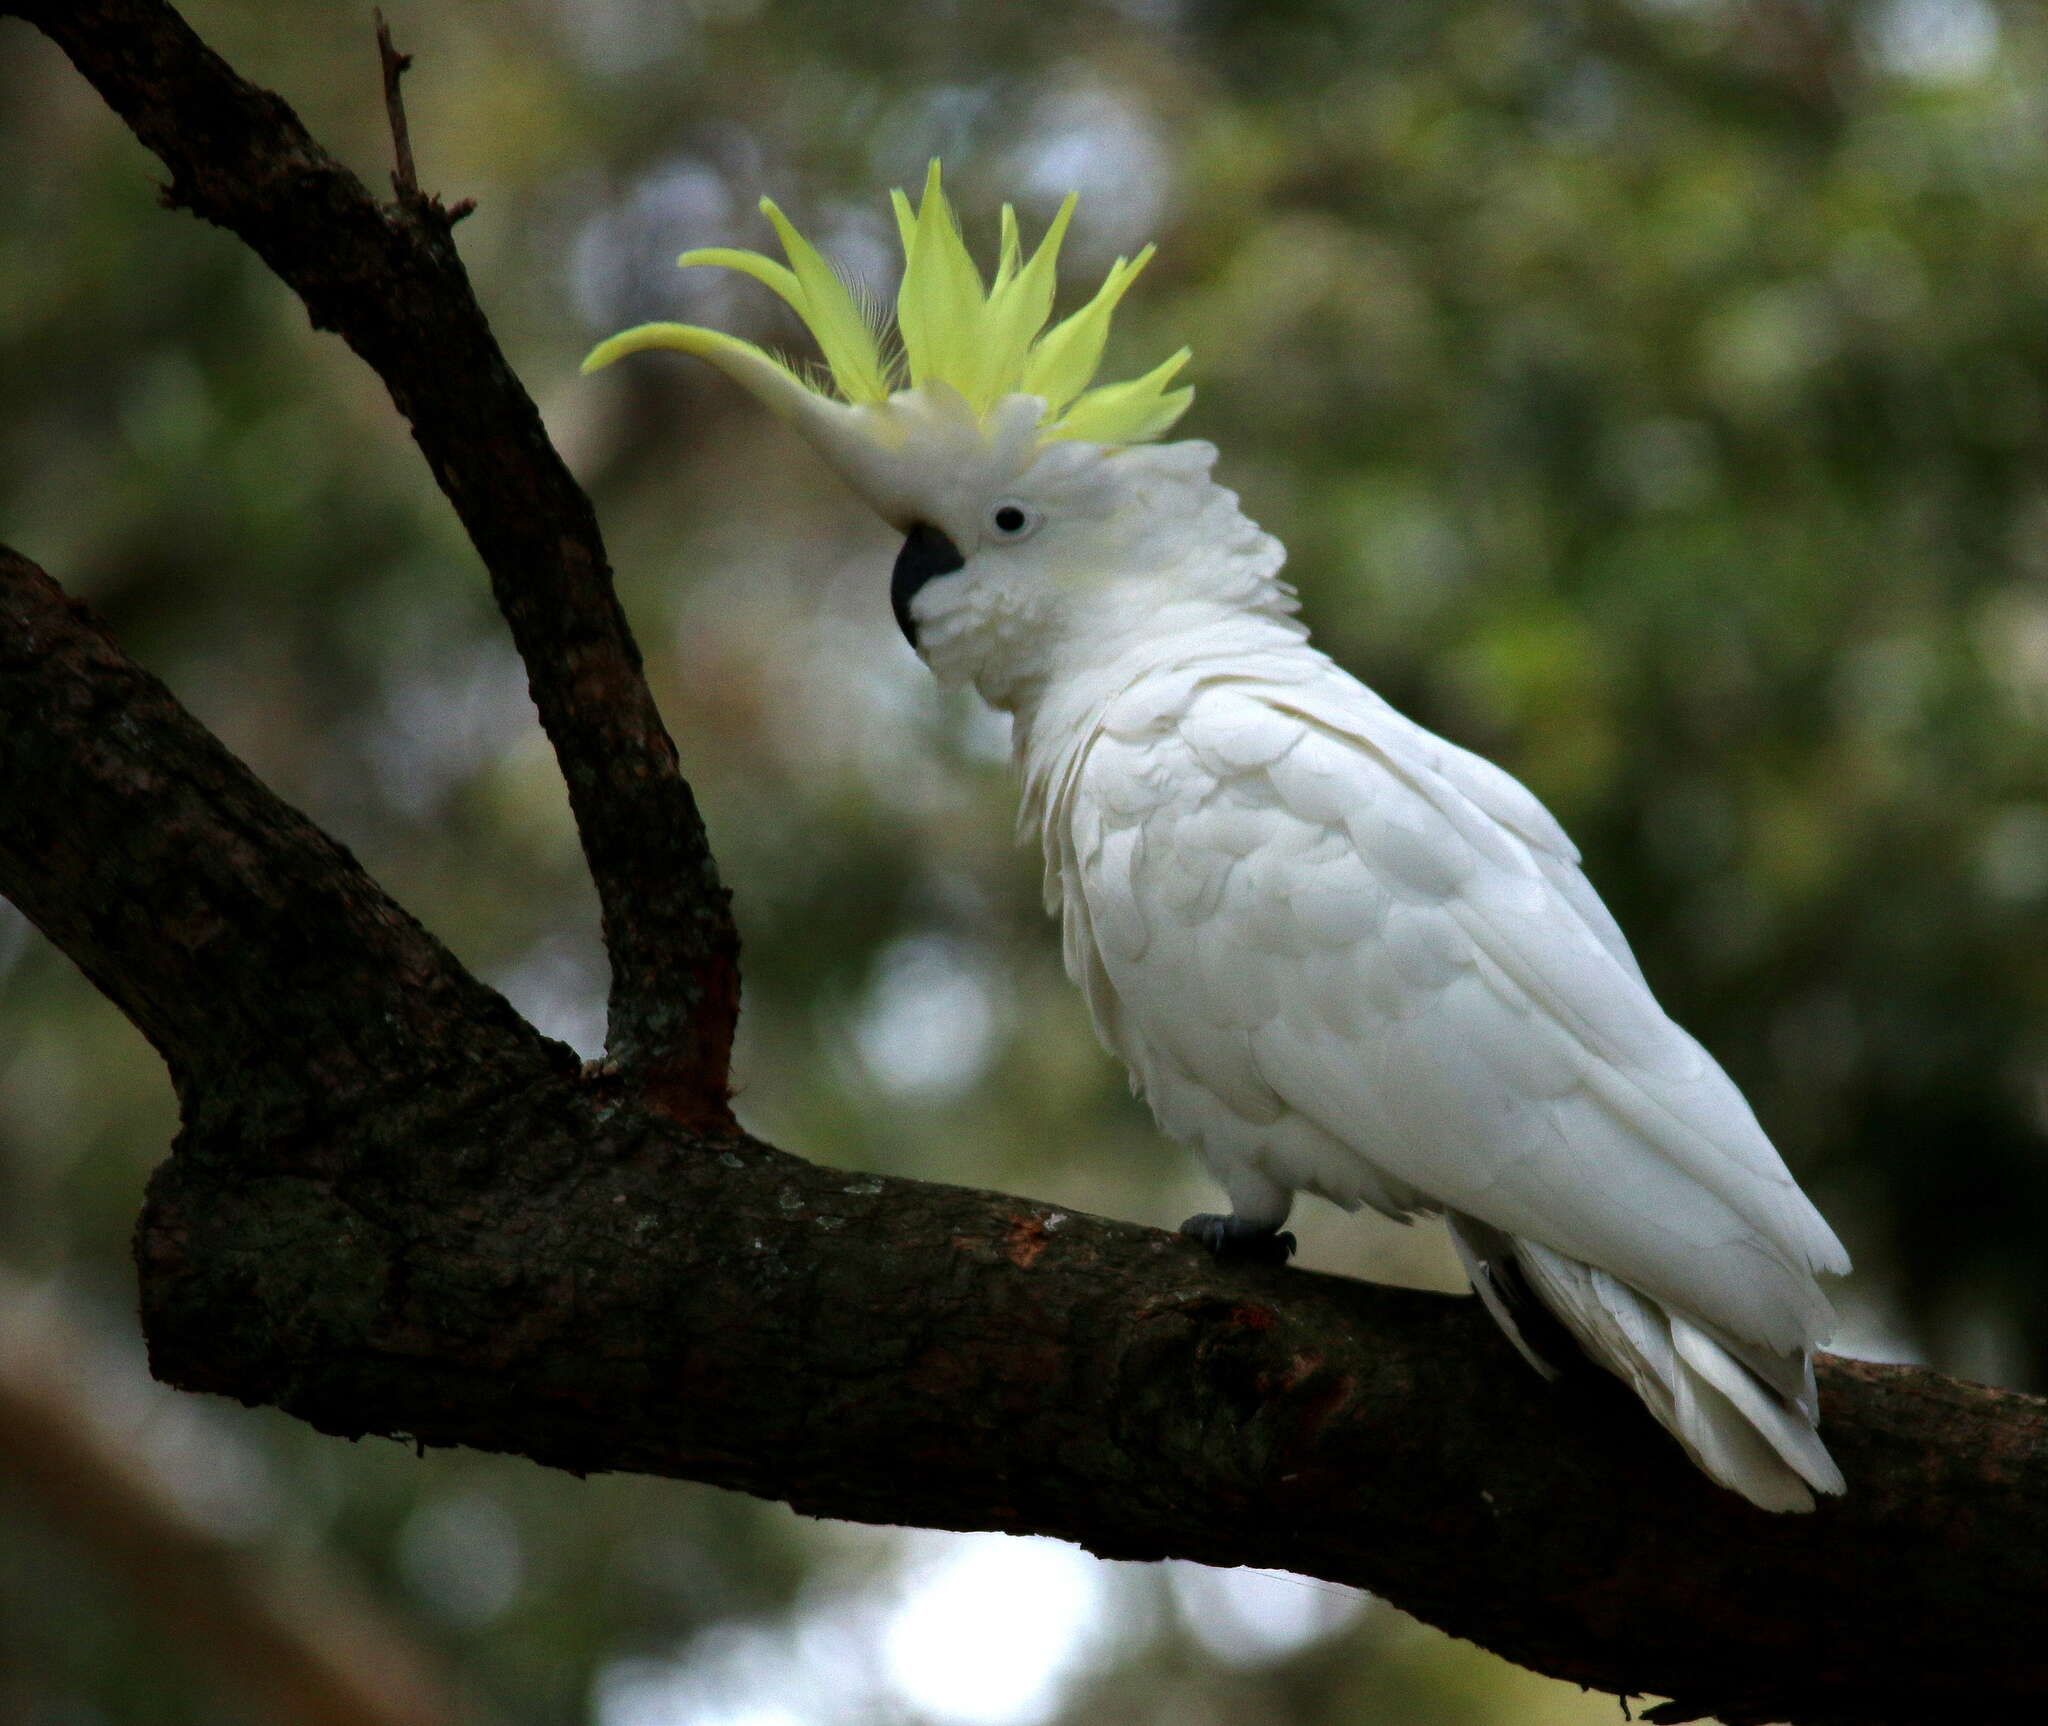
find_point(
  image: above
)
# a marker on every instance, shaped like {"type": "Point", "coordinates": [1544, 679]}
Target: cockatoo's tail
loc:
{"type": "Point", "coordinates": [965, 388]}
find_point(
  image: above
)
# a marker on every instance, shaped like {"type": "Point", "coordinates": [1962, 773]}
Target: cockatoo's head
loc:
{"type": "Point", "coordinates": [978, 437]}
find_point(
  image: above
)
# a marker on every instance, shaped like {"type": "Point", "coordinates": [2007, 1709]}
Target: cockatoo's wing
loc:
{"type": "Point", "coordinates": [1287, 903]}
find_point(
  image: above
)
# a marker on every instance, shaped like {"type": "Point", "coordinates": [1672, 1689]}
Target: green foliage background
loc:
{"type": "Point", "coordinates": [1651, 393]}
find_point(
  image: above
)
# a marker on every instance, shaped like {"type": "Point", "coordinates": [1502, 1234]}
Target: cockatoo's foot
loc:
{"type": "Point", "coordinates": [1234, 1238]}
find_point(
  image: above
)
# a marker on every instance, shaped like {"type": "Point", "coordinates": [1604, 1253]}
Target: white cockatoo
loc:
{"type": "Point", "coordinates": [1338, 954]}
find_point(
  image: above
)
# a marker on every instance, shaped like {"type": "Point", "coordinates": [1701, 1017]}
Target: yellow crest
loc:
{"type": "Point", "coordinates": [982, 343]}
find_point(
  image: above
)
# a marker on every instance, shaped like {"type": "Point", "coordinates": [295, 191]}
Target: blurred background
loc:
{"type": "Point", "coordinates": [1654, 396]}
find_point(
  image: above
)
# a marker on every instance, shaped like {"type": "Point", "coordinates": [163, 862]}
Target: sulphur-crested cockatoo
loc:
{"type": "Point", "coordinates": [1339, 954]}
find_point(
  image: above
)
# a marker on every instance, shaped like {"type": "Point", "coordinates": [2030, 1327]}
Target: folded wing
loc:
{"type": "Point", "coordinates": [1289, 904]}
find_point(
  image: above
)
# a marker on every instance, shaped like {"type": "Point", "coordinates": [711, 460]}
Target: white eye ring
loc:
{"type": "Point", "coordinates": [1012, 521]}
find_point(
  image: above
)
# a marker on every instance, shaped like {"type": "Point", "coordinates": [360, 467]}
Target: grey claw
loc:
{"type": "Point", "coordinates": [1230, 1238]}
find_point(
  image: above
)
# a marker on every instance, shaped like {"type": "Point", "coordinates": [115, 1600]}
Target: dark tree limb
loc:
{"type": "Point", "coordinates": [387, 279]}
{"type": "Point", "coordinates": [418, 1217]}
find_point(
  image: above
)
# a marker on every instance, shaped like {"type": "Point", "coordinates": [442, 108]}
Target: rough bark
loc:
{"type": "Point", "coordinates": [394, 1208]}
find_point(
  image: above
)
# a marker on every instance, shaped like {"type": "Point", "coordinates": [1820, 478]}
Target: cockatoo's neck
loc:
{"type": "Point", "coordinates": [1170, 634]}
{"type": "Point", "coordinates": [1178, 640]}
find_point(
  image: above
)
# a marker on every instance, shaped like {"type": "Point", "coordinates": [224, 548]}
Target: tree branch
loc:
{"type": "Point", "coordinates": [596, 1292]}
{"type": "Point", "coordinates": [388, 280]}
{"type": "Point", "coordinates": [497, 1252]}
{"type": "Point", "coordinates": [405, 179]}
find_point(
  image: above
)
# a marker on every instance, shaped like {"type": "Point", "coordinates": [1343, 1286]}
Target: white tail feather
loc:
{"type": "Point", "coordinates": [1746, 1434]}
{"type": "Point", "coordinates": [1487, 1254]}
{"type": "Point", "coordinates": [1787, 1428]}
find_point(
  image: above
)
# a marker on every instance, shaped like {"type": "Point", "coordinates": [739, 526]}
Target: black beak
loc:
{"type": "Point", "coordinates": [926, 553]}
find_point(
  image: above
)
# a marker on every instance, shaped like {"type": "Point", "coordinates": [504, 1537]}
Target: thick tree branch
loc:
{"type": "Point", "coordinates": [421, 1218]}
{"type": "Point", "coordinates": [388, 280]}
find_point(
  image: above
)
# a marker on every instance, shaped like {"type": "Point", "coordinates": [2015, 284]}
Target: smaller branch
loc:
{"type": "Point", "coordinates": [405, 181]}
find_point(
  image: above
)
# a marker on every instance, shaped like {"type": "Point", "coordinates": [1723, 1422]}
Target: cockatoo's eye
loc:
{"type": "Point", "coordinates": [1012, 520]}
